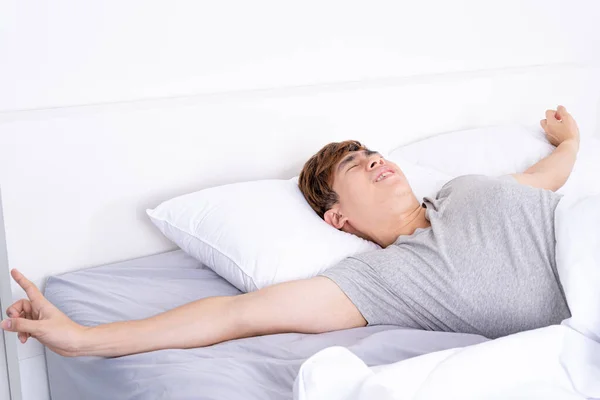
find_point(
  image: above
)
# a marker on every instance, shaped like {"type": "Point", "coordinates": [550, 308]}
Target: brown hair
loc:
{"type": "Point", "coordinates": [316, 178]}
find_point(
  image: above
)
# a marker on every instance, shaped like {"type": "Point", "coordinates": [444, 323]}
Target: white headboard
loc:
{"type": "Point", "coordinates": [108, 108]}
{"type": "Point", "coordinates": [76, 180]}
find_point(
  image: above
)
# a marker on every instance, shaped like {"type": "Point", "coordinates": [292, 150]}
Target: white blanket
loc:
{"type": "Point", "coordinates": [556, 362]}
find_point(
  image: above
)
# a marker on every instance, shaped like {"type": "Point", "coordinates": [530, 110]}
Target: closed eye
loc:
{"type": "Point", "coordinates": [355, 165]}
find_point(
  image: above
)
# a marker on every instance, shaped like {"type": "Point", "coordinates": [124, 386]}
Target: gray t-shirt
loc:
{"type": "Point", "coordinates": [485, 266]}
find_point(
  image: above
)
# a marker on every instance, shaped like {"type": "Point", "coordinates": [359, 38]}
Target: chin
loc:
{"type": "Point", "coordinates": [403, 189]}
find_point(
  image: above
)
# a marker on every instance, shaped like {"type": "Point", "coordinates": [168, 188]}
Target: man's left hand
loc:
{"type": "Point", "coordinates": [560, 126]}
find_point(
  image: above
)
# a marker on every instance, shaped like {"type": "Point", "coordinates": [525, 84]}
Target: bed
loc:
{"type": "Point", "coordinates": [254, 368]}
{"type": "Point", "coordinates": [77, 180]}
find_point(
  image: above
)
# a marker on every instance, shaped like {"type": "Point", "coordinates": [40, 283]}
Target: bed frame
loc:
{"type": "Point", "coordinates": [9, 364]}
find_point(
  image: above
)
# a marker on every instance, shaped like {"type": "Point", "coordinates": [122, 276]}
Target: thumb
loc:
{"type": "Point", "coordinates": [21, 325]}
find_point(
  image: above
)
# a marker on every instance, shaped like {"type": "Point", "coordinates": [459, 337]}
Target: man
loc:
{"type": "Point", "coordinates": [478, 258]}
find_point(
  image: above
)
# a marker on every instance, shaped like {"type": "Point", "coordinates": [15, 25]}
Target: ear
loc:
{"type": "Point", "coordinates": [334, 218]}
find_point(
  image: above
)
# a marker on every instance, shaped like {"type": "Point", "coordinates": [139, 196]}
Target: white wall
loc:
{"type": "Point", "coordinates": [108, 107]}
{"type": "Point", "coordinates": [68, 52]}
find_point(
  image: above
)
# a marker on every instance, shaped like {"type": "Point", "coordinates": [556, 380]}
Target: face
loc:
{"type": "Point", "coordinates": [371, 191]}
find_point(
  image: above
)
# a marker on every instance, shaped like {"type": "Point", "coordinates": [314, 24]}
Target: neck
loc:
{"type": "Point", "coordinates": [411, 219]}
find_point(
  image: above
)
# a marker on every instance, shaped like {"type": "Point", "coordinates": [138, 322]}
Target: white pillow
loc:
{"type": "Point", "coordinates": [255, 234]}
{"type": "Point", "coordinates": [424, 182]}
{"type": "Point", "coordinates": [492, 151]}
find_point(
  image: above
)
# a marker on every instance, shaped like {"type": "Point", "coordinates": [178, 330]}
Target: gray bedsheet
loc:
{"type": "Point", "coordinates": [254, 368]}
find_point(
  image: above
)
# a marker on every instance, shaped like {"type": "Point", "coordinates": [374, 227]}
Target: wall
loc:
{"type": "Point", "coordinates": [65, 52]}
{"type": "Point", "coordinates": [102, 103]}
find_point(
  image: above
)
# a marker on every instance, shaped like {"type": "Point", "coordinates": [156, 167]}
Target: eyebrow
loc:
{"type": "Point", "coordinates": [351, 157]}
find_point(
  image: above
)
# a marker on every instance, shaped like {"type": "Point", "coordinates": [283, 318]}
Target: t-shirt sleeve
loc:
{"type": "Point", "coordinates": [354, 278]}
{"type": "Point", "coordinates": [508, 178]}
{"type": "Point", "coordinates": [370, 293]}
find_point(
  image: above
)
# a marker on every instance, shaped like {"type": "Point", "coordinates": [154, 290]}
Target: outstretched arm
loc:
{"type": "Point", "coordinates": [553, 171]}
{"type": "Point", "coordinates": [307, 306]}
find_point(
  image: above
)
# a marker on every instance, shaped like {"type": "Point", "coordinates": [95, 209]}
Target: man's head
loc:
{"type": "Point", "coordinates": [354, 189]}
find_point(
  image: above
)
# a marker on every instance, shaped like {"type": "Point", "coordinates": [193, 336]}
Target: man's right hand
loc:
{"type": "Point", "coordinates": [38, 318]}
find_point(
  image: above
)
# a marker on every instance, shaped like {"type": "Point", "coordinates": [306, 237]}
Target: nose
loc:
{"type": "Point", "coordinates": [375, 162]}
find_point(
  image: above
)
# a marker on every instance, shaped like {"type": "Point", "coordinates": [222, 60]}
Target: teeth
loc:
{"type": "Point", "coordinates": [383, 176]}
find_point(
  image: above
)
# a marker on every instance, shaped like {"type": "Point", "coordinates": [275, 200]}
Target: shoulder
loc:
{"type": "Point", "coordinates": [369, 259]}
{"type": "Point", "coordinates": [473, 191]}
{"type": "Point", "coordinates": [477, 179]}
{"type": "Point", "coordinates": [470, 182]}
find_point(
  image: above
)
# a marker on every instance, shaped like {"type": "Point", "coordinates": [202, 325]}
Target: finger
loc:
{"type": "Point", "coordinates": [27, 309]}
{"type": "Point", "coordinates": [26, 312]}
{"type": "Point", "coordinates": [544, 124]}
{"type": "Point", "coordinates": [19, 308]}
{"type": "Point", "coordinates": [30, 289]}
{"type": "Point", "coordinates": [21, 325]}
{"type": "Point", "coordinates": [561, 112]}
{"type": "Point", "coordinates": [550, 115]}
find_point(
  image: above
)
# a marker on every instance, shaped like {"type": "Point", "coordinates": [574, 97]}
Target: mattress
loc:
{"type": "Point", "coordinates": [253, 368]}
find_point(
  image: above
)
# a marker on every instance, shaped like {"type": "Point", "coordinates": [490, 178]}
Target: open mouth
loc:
{"type": "Point", "coordinates": [383, 174]}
